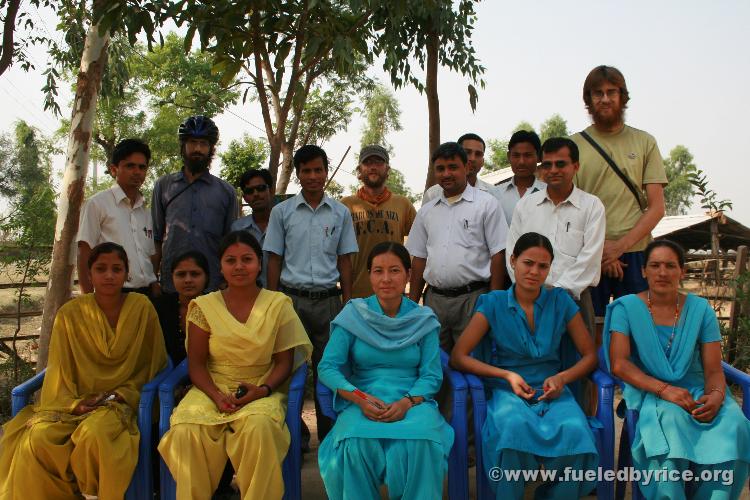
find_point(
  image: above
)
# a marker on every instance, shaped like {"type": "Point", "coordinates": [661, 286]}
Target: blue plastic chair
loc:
{"type": "Point", "coordinates": [141, 484]}
{"type": "Point", "coordinates": [603, 434]}
{"type": "Point", "coordinates": [458, 479]}
{"type": "Point", "coordinates": [624, 458]}
{"type": "Point", "coordinates": [292, 466]}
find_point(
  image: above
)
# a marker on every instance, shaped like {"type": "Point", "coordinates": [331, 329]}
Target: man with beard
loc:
{"type": "Point", "coordinates": [310, 239]}
{"type": "Point", "coordinates": [474, 147]}
{"type": "Point", "coordinates": [192, 209]}
{"type": "Point", "coordinates": [257, 191]}
{"type": "Point", "coordinates": [621, 165]}
{"type": "Point", "coordinates": [457, 245]}
{"type": "Point", "coordinates": [378, 214]}
{"type": "Point", "coordinates": [524, 152]}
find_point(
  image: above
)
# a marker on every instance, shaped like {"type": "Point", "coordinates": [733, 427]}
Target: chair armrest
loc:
{"type": "Point", "coordinates": [297, 390]}
{"type": "Point", "coordinates": [325, 399]}
{"type": "Point", "coordinates": [21, 394]}
{"type": "Point", "coordinates": [735, 376]}
{"type": "Point", "coordinates": [177, 377]}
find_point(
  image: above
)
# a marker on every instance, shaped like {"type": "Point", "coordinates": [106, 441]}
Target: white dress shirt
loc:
{"type": "Point", "coordinates": [509, 195]}
{"type": "Point", "coordinates": [575, 227]}
{"type": "Point", "coordinates": [436, 190]}
{"type": "Point", "coordinates": [458, 240]}
{"type": "Point", "coordinates": [109, 217]}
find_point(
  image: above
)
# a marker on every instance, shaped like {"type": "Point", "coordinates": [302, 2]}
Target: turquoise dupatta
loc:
{"type": "Point", "coordinates": [663, 427]}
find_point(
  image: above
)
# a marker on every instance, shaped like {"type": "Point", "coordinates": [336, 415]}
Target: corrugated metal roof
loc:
{"type": "Point", "coordinates": [497, 176]}
{"type": "Point", "coordinates": [673, 223]}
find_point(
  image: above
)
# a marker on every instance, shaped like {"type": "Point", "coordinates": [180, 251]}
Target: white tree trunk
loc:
{"type": "Point", "coordinates": [93, 61]}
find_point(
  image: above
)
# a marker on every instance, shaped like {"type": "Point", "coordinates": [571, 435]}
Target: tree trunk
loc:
{"type": "Point", "coordinates": [286, 168]}
{"type": "Point", "coordinates": [433, 103]}
{"type": "Point", "coordinates": [273, 161]}
{"type": "Point", "coordinates": [93, 61]}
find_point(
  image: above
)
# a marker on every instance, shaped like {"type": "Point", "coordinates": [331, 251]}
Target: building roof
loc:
{"type": "Point", "coordinates": [497, 176]}
{"type": "Point", "coordinates": [693, 232]}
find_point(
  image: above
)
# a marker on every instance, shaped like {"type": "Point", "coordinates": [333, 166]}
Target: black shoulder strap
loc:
{"type": "Point", "coordinates": [175, 196]}
{"type": "Point", "coordinates": [624, 178]}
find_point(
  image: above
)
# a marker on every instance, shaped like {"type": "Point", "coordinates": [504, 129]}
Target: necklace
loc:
{"type": "Point", "coordinates": [676, 318]}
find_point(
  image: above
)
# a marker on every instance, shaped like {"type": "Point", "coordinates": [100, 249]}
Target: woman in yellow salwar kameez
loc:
{"type": "Point", "coordinates": [241, 337]}
{"type": "Point", "coordinates": [82, 437]}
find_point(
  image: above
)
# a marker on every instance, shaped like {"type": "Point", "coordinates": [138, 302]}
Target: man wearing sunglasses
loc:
{"type": "Point", "coordinates": [572, 219]}
{"type": "Point", "coordinates": [256, 186]}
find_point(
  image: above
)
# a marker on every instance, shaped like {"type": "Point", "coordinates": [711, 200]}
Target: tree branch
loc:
{"type": "Point", "coordinates": [257, 76]}
{"type": "Point", "coordinates": [9, 27]}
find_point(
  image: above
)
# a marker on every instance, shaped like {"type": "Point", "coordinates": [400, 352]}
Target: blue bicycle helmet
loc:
{"type": "Point", "coordinates": [199, 126]}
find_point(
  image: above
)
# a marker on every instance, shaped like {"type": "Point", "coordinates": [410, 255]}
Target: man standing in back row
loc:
{"type": "Point", "coordinates": [378, 214]}
{"type": "Point", "coordinates": [192, 209]}
{"type": "Point", "coordinates": [621, 165]}
{"type": "Point", "coordinates": [457, 244]}
{"type": "Point", "coordinates": [474, 147]}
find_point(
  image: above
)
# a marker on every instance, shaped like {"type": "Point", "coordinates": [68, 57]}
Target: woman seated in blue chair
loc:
{"type": "Point", "coordinates": [666, 347]}
{"type": "Point", "coordinates": [82, 437]}
{"type": "Point", "coordinates": [241, 345]}
{"type": "Point", "coordinates": [382, 363]}
{"type": "Point", "coordinates": [520, 339]}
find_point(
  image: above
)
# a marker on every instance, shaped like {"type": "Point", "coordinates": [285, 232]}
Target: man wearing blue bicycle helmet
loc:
{"type": "Point", "coordinates": [192, 209]}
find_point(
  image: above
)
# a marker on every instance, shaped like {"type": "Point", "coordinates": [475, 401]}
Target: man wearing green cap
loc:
{"type": "Point", "coordinates": [377, 213]}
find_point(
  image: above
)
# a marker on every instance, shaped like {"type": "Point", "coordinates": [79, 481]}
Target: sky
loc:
{"type": "Point", "coordinates": [685, 62]}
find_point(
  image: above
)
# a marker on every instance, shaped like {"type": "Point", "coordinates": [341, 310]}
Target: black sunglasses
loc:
{"type": "Point", "coordinates": [261, 188]}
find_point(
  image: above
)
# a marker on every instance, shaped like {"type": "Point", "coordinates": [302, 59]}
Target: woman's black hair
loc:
{"type": "Point", "coordinates": [677, 249]}
{"type": "Point", "coordinates": [108, 247]}
{"type": "Point", "coordinates": [197, 257]}
{"type": "Point", "coordinates": [531, 240]}
{"type": "Point", "coordinates": [396, 249]}
{"type": "Point", "coordinates": [241, 237]}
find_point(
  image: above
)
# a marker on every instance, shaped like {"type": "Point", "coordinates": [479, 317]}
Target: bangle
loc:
{"type": "Point", "coordinates": [268, 388]}
{"type": "Point", "coordinates": [661, 389]}
{"type": "Point", "coordinates": [411, 399]}
{"type": "Point", "coordinates": [716, 389]}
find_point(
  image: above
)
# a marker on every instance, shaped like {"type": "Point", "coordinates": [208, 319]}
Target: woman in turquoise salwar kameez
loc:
{"type": "Point", "coordinates": [383, 364]}
{"type": "Point", "coordinates": [523, 341]}
{"type": "Point", "coordinates": [666, 347]}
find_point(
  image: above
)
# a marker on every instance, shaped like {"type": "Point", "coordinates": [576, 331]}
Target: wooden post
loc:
{"type": "Point", "coordinates": [736, 308]}
{"type": "Point", "coordinates": [93, 61]}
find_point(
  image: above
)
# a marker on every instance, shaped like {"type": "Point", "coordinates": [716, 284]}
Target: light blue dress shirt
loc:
{"type": "Point", "coordinates": [248, 224]}
{"type": "Point", "coordinates": [310, 241]}
{"type": "Point", "coordinates": [509, 197]}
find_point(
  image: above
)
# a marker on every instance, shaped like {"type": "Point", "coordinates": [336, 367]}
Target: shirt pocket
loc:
{"type": "Point", "coordinates": [325, 236]}
{"type": "Point", "coordinates": [569, 241]}
{"type": "Point", "coordinates": [469, 232]}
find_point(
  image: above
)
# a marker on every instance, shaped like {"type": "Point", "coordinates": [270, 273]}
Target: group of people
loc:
{"type": "Point", "coordinates": [511, 278]}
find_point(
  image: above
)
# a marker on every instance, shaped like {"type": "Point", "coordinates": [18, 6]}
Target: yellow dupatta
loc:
{"type": "Point", "coordinates": [87, 357]}
{"type": "Point", "coordinates": [242, 352]}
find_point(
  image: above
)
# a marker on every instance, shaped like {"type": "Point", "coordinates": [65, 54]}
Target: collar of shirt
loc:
{"type": "Point", "coordinates": [574, 198]}
{"type": "Point", "coordinates": [536, 186]}
{"type": "Point", "coordinates": [300, 200]}
{"type": "Point", "coordinates": [204, 177]}
{"type": "Point", "coordinates": [483, 186]}
{"type": "Point", "coordinates": [467, 194]}
{"type": "Point", "coordinates": [120, 195]}
{"type": "Point", "coordinates": [540, 301]}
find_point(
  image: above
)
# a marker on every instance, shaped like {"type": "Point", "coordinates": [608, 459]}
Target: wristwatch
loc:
{"type": "Point", "coordinates": [411, 399]}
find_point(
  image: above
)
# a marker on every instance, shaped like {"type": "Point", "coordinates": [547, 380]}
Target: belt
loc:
{"type": "Point", "coordinates": [461, 290]}
{"type": "Point", "coordinates": [312, 294]}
